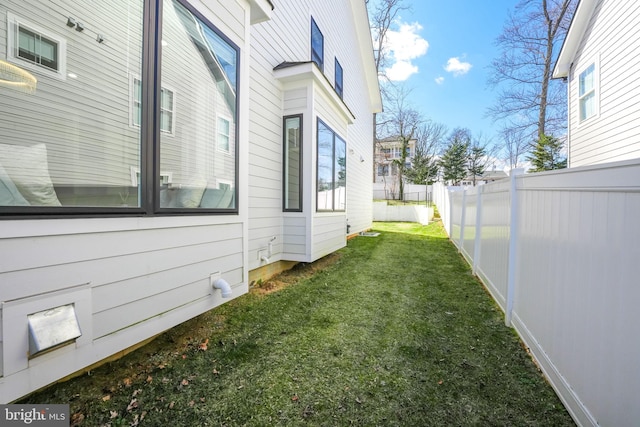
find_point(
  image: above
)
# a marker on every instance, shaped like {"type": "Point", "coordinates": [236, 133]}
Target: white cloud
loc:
{"type": "Point", "coordinates": [404, 45]}
{"type": "Point", "coordinates": [457, 67]}
{"type": "Point", "coordinates": [439, 80]}
{"type": "Point", "coordinates": [401, 71]}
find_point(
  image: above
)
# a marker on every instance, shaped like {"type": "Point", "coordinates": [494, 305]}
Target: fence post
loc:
{"type": "Point", "coordinates": [478, 237]}
{"type": "Point", "coordinates": [450, 210]}
{"type": "Point", "coordinates": [513, 245]}
{"type": "Point", "coordinates": [463, 214]}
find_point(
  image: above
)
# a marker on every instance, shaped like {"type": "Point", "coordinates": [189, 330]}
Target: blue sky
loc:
{"type": "Point", "coordinates": [452, 44]}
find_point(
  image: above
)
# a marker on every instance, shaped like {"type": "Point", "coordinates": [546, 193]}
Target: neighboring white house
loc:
{"type": "Point", "coordinates": [387, 153]}
{"type": "Point", "coordinates": [600, 60]}
{"type": "Point", "coordinates": [487, 177]}
{"type": "Point", "coordinates": [157, 156]}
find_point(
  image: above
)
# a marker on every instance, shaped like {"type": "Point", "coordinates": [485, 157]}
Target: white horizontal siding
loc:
{"type": "Point", "coordinates": [130, 278]}
{"type": "Point", "coordinates": [295, 237]}
{"type": "Point", "coordinates": [286, 38]}
{"type": "Point", "coordinates": [329, 234]}
{"type": "Point", "coordinates": [133, 277]}
{"type": "Point", "coordinates": [610, 40]}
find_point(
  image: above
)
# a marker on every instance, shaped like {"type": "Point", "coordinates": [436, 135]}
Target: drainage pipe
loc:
{"type": "Point", "coordinates": [224, 286]}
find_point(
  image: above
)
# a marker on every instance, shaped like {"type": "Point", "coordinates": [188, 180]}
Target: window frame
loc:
{"type": "Point", "coordinates": [383, 169]}
{"type": "Point", "coordinates": [339, 79]}
{"type": "Point", "coordinates": [226, 150]}
{"type": "Point", "coordinates": [316, 35]}
{"type": "Point", "coordinates": [149, 190]}
{"type": "Point", "coordinates": [285, 163]}
{"type": "Point", "coordinates": [594, 90]}
{"type": "Point", "coordinates": [334, 162]}
{"type": "Point", "coordinates": [14, 23]}
{"type": "Point", "coordinates": [172, 110]}
{"type": "Point", "coordinates": [135, 104]}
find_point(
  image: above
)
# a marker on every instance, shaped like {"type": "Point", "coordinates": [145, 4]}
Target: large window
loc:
{"type": "Point", "coordinates": [332, 170]}
{"type": "Point", "coordinates": [92, 125]}
{"type": "Point", "coordinates": [317, 45]}
{"type": "Point", "coordinates": [587, 93]}
{"type": "Point", "coordinates": [293, 163]}
{"type": "Point", "coordinates": [203, 153]}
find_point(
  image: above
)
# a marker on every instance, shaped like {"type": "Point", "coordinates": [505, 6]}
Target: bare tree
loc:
{"type": "Point", "coordinates": [430, 138]}
{"type": "Point", "coordinates": [401, 122]}
{"type": "Point", "coordinates": [528, 100]}
{"type": "Point", "coordinates": [515, 144]}
{"type": "Point", "coordinates": [382, 13]}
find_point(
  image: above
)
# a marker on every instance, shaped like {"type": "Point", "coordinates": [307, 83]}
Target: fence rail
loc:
{"type": "Point", "coordinates": [558, 251]}
{"type": "Point", "coordinates": [412, 193]}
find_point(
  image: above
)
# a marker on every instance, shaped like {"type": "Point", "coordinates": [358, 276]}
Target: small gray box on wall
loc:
{"type": "Point", "coordinates": [51, 328]}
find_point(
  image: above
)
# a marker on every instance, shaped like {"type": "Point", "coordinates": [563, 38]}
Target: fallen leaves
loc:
{"type": "Point", "coordinates": [203, 345]}
{"type": "Point", "coordinates": [76, 419]}
{"type": "Point", "coordinates": [133, 405]}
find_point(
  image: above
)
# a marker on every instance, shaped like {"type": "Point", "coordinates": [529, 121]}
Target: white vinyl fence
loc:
{"type": "Point", "coordinates": [560, 253]}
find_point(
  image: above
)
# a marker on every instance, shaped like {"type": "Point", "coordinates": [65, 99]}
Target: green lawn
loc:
{"type": "Point", "coordinates": [395, 332]}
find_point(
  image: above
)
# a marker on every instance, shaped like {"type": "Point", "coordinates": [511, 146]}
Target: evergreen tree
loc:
{"type": "Point", "coordinates": [477, 161]}
{"type": "Point", "coordinates": [424, 168]}
{"type": "Point", "coordinates": [547, 155]}
{"type": "Point", "coordinates": [455, 157]}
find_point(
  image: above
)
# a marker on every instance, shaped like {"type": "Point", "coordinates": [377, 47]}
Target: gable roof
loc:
{"type": "Point", "coordinates": [572, 41]}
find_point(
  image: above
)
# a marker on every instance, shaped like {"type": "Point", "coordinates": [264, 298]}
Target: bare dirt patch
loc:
{"type": "Point", "coordinates": [299, 272]}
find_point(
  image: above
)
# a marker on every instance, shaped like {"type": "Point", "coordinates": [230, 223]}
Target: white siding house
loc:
{"type": "Point", "coordinates": [130, 185]}
{"type": "Point", "coordinates": [600, 61]}
{"type": "Point", "coordinates": [331, 96]}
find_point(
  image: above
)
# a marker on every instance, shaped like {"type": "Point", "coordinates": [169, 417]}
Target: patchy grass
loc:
{"type": "Point", "coordinates": [392, 331]}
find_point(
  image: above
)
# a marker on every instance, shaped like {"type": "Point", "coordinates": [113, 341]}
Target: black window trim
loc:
{"type": "Point", "coordinates": [314, 54]}
{"type": "Point", "coordinates": [284, 162]}
{"type": "Point", "coordinates": [149, 136]}
{"type": "Point", "coordinates": [339, 88]}
{"type": "Point", "coordinates": [333, 162]}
